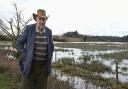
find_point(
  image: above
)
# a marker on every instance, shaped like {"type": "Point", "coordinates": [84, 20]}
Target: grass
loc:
{"type": "Point", "coordinates": [96, 66]}
{"type": "Point", "coordinates": [7, 82]}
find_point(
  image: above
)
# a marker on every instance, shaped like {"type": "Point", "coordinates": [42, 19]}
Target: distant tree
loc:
{"type": "Point", "coordinates": [14, 26]}
{"type": "Point", "coordinates": [125, 38]}
{"type": "Point", "coordinates": [75, 34]}
{"type": "Point", "coordinates": [84, 38]}
{"type": "Point", "coordinates": [72, 34]}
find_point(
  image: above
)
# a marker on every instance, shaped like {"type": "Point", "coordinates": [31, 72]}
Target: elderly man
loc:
{"type": "Point", "coordinates": [36, 47]}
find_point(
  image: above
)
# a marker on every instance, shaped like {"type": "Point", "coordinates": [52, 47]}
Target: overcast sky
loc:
{"type": "Point", "coordinates": [90, 17]}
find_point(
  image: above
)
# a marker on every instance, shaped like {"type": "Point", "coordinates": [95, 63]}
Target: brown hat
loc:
{"type": "Point", "coordinates": [41, 13]}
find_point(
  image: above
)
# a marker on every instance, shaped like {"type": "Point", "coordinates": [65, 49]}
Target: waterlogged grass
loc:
{"type": "Point", "coordinates": [96, 66]}
{"type": "Point", "coordinates": [93, 66]}
{"type": "Point", "coordinates": [94, 46]}
{"type": "Point", "coordinates": [86, 71]}
{"type": "Point", "coordinates": [118, 56]}
{"type": "Point", "coordinates": [85, 58]}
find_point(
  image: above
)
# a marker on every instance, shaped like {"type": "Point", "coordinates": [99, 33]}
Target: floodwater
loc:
{"type": "Point", "coordinates": [76, 54]}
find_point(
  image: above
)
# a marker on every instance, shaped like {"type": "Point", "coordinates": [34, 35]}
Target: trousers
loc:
{"type": "Point", "coordinates": [37, 78]}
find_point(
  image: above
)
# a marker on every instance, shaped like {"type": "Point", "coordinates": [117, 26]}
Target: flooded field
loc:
{"type": "Point", "coordinates": [112, 55]}
{"type": "Point", "coordinates": [106, 61]}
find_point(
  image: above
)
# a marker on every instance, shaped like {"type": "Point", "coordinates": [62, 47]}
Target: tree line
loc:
{"type": "Point", "coordinates": [96, 38]}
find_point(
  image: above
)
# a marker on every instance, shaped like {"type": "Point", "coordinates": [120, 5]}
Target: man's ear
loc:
{"type": "Point", "coordinates": [47, 17]}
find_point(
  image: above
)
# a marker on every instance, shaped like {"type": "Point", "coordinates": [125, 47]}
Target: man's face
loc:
{"type": "Point", "coordinates": [40, 21]}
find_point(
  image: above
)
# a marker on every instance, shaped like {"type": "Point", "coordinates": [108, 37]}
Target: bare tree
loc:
{"type": "Point", "coordinates": [14, 26]}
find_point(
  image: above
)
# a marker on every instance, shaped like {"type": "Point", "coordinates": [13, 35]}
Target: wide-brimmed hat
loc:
{"type": "Point", "coordinates": [41, 13]}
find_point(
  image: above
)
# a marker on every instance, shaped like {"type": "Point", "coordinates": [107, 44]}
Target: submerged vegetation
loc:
{"type": "Point", "coordinates": [89, 72]}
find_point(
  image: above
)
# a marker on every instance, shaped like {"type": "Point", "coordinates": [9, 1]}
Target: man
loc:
{"type": "Point", "coordinates": [36, 48]}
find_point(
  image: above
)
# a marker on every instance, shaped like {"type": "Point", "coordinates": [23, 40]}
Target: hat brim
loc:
{"type": "Point", "coordinates": [35, 15]}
